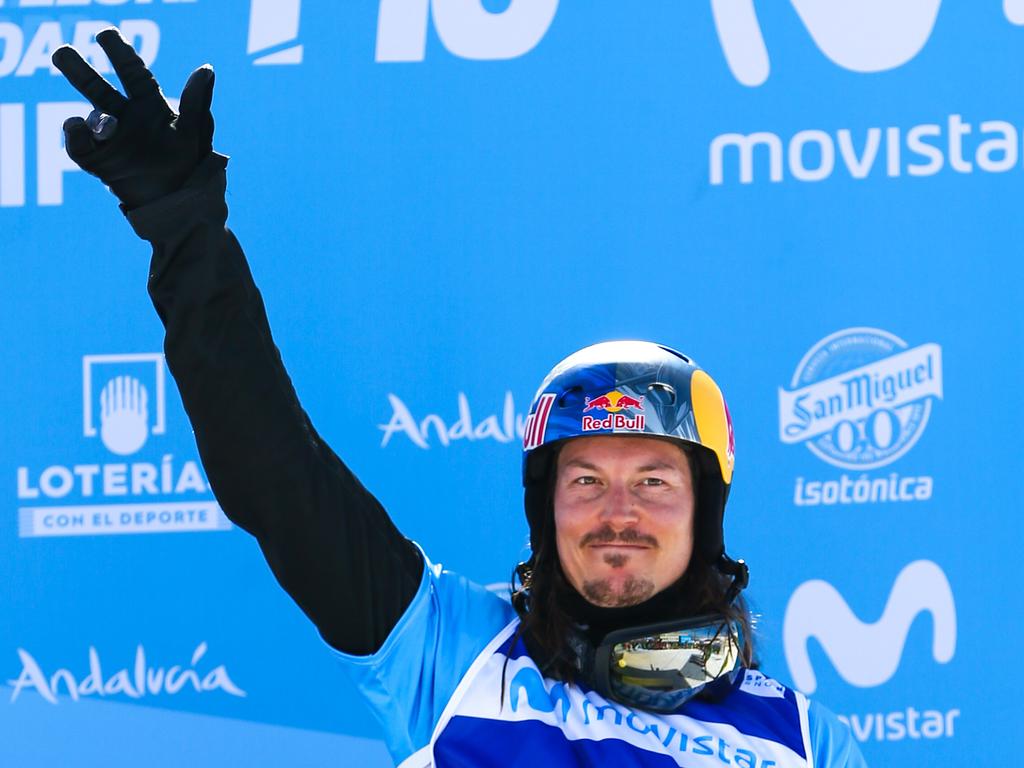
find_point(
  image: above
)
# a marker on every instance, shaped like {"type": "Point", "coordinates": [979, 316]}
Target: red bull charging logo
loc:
{"type": "Point", "coordinates": [618, 412]}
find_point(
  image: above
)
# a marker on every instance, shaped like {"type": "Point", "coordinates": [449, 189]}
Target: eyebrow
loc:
{"type": "Point", "coordinates": [648, 467]}
{"type": "Point", "coordinates": [581, 464]}
{"type": "Point", "coordinates": [657, 465]}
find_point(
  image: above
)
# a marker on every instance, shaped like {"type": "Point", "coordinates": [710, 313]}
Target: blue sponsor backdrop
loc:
{"type": "Point", "coordinates": [440, 199]}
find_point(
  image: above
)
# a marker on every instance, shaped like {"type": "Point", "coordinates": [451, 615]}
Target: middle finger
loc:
{"type": "Point", "coordinates": [138, 81]}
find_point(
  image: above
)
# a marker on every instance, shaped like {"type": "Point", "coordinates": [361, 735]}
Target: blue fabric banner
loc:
{"type": "Point", "coordinates": [442, 198]}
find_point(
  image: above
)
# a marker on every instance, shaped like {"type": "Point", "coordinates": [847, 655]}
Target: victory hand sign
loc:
{"type": "Point", "coordinates": [136, 145]}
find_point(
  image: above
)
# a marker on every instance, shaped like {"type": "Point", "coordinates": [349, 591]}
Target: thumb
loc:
{"type": "Point", "coordinates": [78, 139]}
{"type": "Point", "coordinates": [194, 107]}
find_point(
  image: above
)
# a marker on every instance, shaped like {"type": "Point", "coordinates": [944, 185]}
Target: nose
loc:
{"type": "Point", "coordinates": [620, 510]}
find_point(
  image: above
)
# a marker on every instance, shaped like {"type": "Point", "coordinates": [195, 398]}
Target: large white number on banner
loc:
{"type": "Point", "coordinates": [272, 25]}
{"type": "Point", "coordinates": [465, 27]}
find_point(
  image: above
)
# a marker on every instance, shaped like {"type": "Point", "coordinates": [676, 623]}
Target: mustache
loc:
{"type": "Point", "coordinates": [606, 535]}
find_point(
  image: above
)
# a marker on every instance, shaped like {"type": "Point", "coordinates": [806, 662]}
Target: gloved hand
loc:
{"type": "Point", "coordinates": [137, 146]}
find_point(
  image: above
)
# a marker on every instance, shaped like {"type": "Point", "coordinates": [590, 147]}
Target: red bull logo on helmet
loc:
{"type": "Point", "coordinates": [613, 402]}
{"type": "Point", "coordinates": [617, 408]}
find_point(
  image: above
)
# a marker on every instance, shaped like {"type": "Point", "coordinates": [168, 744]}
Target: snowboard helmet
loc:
{"type": "Point", "coordinates": [636, 388]}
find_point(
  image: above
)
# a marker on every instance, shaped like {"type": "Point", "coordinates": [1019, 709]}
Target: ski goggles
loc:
{"type": "Point", "coordinates": [658, 667]}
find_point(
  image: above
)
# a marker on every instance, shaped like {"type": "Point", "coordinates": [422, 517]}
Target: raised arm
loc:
{"type": "Point", "coordinates": [328, 541]}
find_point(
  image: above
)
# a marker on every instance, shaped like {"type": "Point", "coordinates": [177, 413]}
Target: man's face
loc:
{"type": "Point", "coordinates": [623, 517]}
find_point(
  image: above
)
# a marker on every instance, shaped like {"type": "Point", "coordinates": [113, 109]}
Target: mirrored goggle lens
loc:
{"type": "Point", "coordinates": [663, 669]}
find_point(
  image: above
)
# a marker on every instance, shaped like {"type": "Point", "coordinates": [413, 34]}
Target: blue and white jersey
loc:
{"type": "Point", "coordinates": [436, 687]}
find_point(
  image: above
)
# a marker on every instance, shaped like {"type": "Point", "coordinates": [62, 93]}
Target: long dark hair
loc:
{"type": "Point", "coordinates": [541, 593]}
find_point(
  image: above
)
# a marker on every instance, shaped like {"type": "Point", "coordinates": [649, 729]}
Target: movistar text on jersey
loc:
{"type": "Point", "coordinates": [992, 146]}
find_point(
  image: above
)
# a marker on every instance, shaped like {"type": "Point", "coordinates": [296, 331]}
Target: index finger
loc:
{"type": "Point", "coordinates": [87, 81]}
{"type": "Point", "coordinates": [131, 69]}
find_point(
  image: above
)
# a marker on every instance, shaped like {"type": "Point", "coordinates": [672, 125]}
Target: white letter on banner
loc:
{"type": "Point", "coordinates": [859, 167]}
{"type": "Point", "coordinates": [469, 30]}
{"type": "Point", "coordinates": [13, 41]}
{"type": "Point", "coordinates": [827, 152]}
{"type": "Point", "coordinates": [401, 421]}
{"type": "Point", "coordinates": [52, 160]}
{"type": "Point", "coordinates": [144, 36]}
{"type": "Point", "coordinates": [851, 395]}
{"type": "Point", "coordinates": [919, 147]}
{"type": "Point", "coordinates": [47, 39]}
{"type": "Point", "coordinates": [1005, 144]}
{"type": "Point", "coordinates": [273, 23]}
{"type": "Point", "coordinates": [32, 677]}
{"type": "Point", "coordinates": [402, 30]}
{"type": "Point", "coordinates": [957, 130]}
{"type": "Point", "coordinates": [745, 146]}
{"type": "Point", "coordinates": [12, 155]}
{"type": "Point", "coordinates": [84, 41]}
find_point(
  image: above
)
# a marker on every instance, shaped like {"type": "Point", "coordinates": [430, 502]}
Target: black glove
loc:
{"type": "Point", "coordinates": [137, 146]}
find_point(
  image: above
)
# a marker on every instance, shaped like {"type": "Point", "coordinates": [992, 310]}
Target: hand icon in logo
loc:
{"type": "Point", "coordinates": [124, 415]}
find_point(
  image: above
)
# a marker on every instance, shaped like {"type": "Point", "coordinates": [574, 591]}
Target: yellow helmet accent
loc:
{"type": "Point", "coordinates": [714, 426]}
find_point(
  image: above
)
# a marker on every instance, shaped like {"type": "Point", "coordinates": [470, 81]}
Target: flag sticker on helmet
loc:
{"type": "Point", "coordinates": [714, 425]}
{"type": "Point", "coordinates": [537, 423]}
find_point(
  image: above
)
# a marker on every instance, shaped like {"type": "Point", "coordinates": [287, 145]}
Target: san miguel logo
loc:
{"type": "Point", "coordinates": [859, 400]}
{"type": "Point", "coordinates": [614, 410]}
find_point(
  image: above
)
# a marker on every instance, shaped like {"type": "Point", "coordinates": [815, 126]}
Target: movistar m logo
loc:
{"type": "Point", "coordinates": [529, 682]}
{"type": "Point", "coordinates": [867, 654]}
{"type": "Point", "coordinates": [867, 36]}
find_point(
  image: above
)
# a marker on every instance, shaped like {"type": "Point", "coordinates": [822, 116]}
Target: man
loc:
{"type": "Point", "coordinates": [626, 641]}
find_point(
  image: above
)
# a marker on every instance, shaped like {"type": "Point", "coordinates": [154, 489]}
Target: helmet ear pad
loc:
{"type": "Point", "coordinates": [710, 495]}
{"type": "Point", "coordinates": [538, 490]}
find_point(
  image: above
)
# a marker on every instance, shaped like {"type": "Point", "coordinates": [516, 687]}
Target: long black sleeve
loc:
{"type": "Point", "coordinates": [328, 541]}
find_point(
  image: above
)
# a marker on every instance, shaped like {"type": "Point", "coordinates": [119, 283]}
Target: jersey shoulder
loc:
{"type": "Point", "coordinates": [832, 740]}
{"type": "Point", "coordinates": [410, 679]}
{"type": "Point", "coordinates": [828, 739]}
